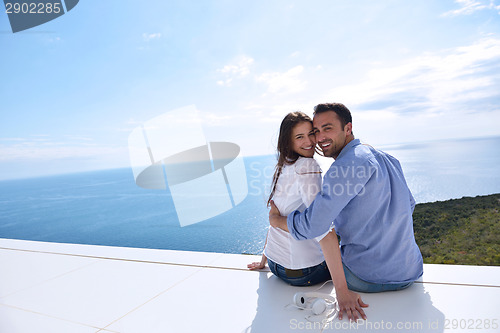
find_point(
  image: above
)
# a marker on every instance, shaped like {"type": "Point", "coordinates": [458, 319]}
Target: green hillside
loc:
{"type": "Point", "coordinates": [461, 231]}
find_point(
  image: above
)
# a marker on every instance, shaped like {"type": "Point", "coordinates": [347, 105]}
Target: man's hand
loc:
{"type": "Point", "coordinates": [351, 303]}
{"type": "Point", "coordinates": [274, 210]}
{"type": "Point", "coordinates": [275, 218]}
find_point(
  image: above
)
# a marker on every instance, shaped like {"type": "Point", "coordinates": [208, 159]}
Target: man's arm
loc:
{"type": "Point", "coordinates": [347, 300]}
{"type": "Point", "coordinates": [340, 185]}
{"type": "Point", "coordinates": [412, 202]}
{"type": "Point", "coordinates": [276, 219]}
{"type": "Point", "coordinates": [401, 173]}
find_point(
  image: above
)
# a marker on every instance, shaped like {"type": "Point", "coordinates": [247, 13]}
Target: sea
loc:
{"type": "Point", "coordinates": [107, 208]}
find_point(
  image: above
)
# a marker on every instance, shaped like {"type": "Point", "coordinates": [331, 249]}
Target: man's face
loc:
{"type": "Point", "coordinates": [330, 135]}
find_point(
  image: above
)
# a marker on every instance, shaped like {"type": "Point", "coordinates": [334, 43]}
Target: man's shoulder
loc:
{"type": "Point", "coordinates": [359, 154]}
{"type": "Point", "coordinates": [376, 159]}
{"type": "Point", "coordinates": [368, 153]}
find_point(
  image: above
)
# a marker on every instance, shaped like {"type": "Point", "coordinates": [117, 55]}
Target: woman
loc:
{"type": "Point", "coordinates": [296, 181]}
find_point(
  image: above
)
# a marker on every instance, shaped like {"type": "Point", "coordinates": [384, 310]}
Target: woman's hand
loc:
{"type": "Point", "coordinates": [351, 303]}
{"type": "Point", "coordinates": [256, 265]}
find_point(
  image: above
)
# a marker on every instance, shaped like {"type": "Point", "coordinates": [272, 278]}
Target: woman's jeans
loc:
{"type": "Point", "coordinates": [356, 284]}
{"type": "Point", "coordinates": [301, 277]}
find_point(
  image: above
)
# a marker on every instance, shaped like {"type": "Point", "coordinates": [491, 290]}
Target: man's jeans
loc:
{"type": "Point", "coordinates": [301, 277]}
{"type": "Point", "coordinates": [356, 284]}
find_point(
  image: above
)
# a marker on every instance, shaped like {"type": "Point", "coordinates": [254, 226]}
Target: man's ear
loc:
{"type": "Point", "coordinates": [348, 128]}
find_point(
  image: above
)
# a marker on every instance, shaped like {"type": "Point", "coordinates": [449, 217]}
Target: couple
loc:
{"type": "Point", "coordinates": [364, 199]}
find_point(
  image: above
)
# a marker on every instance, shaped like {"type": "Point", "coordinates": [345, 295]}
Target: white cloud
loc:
{"type": "Point", "coordinates": [436, 95]}
{"type": "Point", "coordinates": [226, 82]}
{"type": "Point", "coordinates": [53, 152]}
{"type": "Point", "coordinates": [148, 37]}
{"type": "Point", "coordinates": [431, 96]}
{"type": "Point", "coordinates": [11, 139]}
{"type": "Point", "coordinates": [236, 70]}
{"type": "Point", "coordinates": [283, 83]}
{"type": "Point", "coordinates": [241, 67]}
{"type": "Point", "coordinates": [447, 80]}
{"type": "Point", "coordinates": [54, 40]}
{"type": "Point", "coordinates": [78, 138]}
{"type": "Point", "coordinates": [468, 7]}
{"type": "Point", "coordinates": [46, 148]}
{"type": "Point", "coordinates": [212, 119]}
{"type": "Point", "coordinates": [274, 110]}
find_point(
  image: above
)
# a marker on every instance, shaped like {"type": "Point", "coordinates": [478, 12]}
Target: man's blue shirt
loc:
{"type": "Point", "coordinates": [366, 197]}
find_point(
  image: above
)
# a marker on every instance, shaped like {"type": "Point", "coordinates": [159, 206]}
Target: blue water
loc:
{"type": "Point", "coordinates": [107, 208]}
{"type": "Point", "coordinates": [452, 169]}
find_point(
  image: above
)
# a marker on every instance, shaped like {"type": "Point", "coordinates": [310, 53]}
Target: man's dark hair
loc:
{"type": "Point", "coordinates": [340, 109]}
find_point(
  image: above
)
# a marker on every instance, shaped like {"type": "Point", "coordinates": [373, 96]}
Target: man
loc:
{"type": "Point", "coordinates": [366, 200]}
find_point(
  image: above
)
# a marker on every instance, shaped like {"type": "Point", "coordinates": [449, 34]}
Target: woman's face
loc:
{"type": "Point", "coordinates": [303, 140]}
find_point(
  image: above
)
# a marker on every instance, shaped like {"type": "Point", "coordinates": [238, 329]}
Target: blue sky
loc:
{"type": "Point", "coordinates": [74, 88]}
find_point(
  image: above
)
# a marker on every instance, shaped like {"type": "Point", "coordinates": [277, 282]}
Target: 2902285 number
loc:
{"type": "Point", "coordinates": [471, 324]}
{"type": "Point", "coordinates": [33, 8]}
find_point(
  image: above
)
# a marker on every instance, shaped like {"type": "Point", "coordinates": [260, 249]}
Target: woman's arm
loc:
{"type": "Point", "coordinates": [259, 265]}
{"type": "Point", "coordinates": [347, 300]}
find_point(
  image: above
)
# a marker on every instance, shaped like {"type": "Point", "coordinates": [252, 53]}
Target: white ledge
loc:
{"type": "Point", "coordinates": [52, 287]}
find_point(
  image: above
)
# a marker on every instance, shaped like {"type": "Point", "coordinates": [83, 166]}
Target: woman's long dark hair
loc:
{"type": "Point", "coordinates": [286, 155]}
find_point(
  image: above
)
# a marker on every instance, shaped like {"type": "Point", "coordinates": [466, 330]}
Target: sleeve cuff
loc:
{"type": "Point", "coordinates": [290, 226]}
{"type": "Point", "coordinates": [319, 238]}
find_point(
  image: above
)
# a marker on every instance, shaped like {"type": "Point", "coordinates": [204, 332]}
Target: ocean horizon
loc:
{"type": "Point", "coordinates": [106, 207]}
